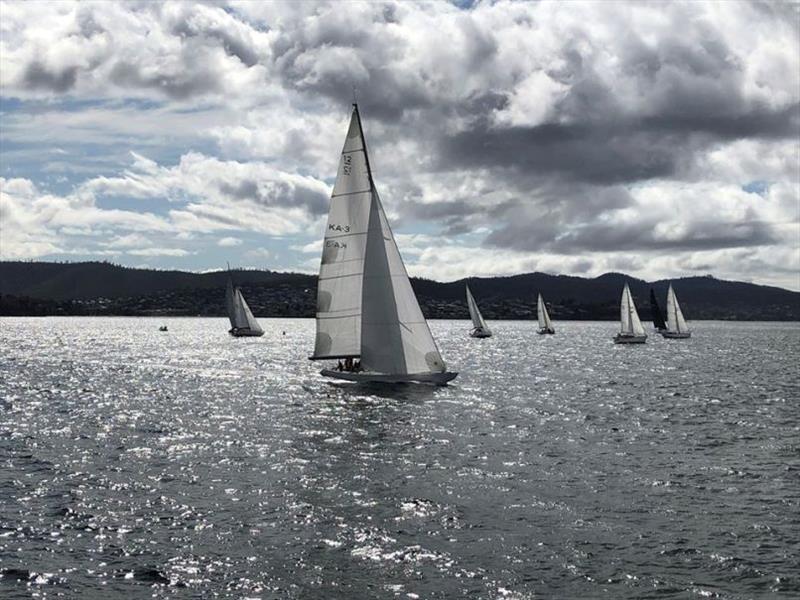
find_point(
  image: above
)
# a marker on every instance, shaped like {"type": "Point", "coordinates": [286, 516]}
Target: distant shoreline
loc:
{"type": "Point", "coordinates": [105, 289]}
{"type": "Point", "coordinates": [464, 320]}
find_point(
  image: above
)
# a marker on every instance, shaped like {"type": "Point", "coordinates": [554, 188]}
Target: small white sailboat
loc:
{"type": "Point", "coordinates": [479, 327]}
{"type": "Point", "coordinates": [367, 312]}
{"type": "Point", "coordinates": [545, 324]}
{"type": "Point", "coordinates": [631, 329]}
{"type": "Point", "coordinates": [243, 323]}
{"type": "Point", "coordinates": [677, 329]}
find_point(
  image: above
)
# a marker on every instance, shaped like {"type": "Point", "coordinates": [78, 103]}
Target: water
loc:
{"type": "Point", "coordinates": [189, 464]}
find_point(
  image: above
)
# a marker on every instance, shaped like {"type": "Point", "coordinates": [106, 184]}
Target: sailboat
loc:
{"type": "Point", "coordinates": [655, 310]}
{"type": "Point", "coordinates": [243, 323]}
{"type": "Point", "coordinates": [479, 327]}
{"type": "Point", "coordinates": [545, 324]}
{"type": "Point", "coordinates": [631, 330]}
{"type": "Point", "coordinates": [367, 312]}
{"type": "Point", "coordinates": [676, 329]}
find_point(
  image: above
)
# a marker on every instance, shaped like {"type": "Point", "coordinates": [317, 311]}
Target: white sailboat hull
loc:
{"type": "Point", "coordinates": [676, 335]}
{"type": "Point", "coordinates": [546, 331]}
{"type": "Point", "coordinates": [366, 377]}
{"type": "Point", "coordinates": [629, 339]}
{"type": "Point", "coordinates": [479, 332]}
{"type": "Point", "coordinates": [241, 332]}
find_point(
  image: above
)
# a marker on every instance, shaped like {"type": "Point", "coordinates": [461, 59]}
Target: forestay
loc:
{"type": "Point", "coordinates": [629, 318]}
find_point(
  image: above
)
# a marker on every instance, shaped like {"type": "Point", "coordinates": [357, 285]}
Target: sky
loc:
{"type": "Point", "coordinates": [656, 139]}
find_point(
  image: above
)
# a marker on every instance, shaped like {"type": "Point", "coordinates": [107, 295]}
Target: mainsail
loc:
{"type": "Point", "coordinates": [244, 314]}
{"type": "Point", "coordinates": [675, 321]}
{"type": "Point", "coordinates": [658, 317]}
{"type": "Point", "coordinates": [474, 313]}
{"type": "Point", "coordinates": [629, 318]}
{"type": "Point", "coordinates": [230, 302]}
{"type": "Point", "coordinates": [341, 272]}
{"type": "Point", "coordinates": [239, 313]}
{"type": "Point", "coordinates": [365, 304]}
{"type": "Point", "coordinates": [543, 316]}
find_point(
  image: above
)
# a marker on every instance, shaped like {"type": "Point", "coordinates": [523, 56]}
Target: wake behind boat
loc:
{"type": "Point", "coordinates": [631, 330]}
{"type": "Point", "coordinates": [677, 328]}
{"type": "Point", "coordinates": [243, 323]}
{"type": "Point", "coordinates": [479, 327]}
{"type": "Point", "coordinates": [545, 324]}
{"type": "Point", "coordinates": [366, 307]}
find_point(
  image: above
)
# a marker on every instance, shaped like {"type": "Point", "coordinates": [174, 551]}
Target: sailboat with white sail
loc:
{"type": "Point", "coordinates": [677, 328]}
{"type": "Point", "coordinates": [367, 312]}
{"type": "Point", "coordinates": [631, 329]}
{"type": "Point", "coordinates": [545, 324]}
{"type": "Point", "coordinates": [479, 327]}
{"type": "Point", "coordinates": [243, 323]}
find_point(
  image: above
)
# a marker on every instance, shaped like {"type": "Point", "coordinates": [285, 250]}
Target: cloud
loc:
{"type": "Point", "coordinates": [158, 252]}
{"type": "Point", "coordinates": [229, 242]}
{"type": "Point", "coordinates": [208, 196]}
{"type": "Point", "coordinates": [540, 135]}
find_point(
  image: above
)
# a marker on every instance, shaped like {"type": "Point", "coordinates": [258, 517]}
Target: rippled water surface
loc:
{"type": "Point", "coordinates": [189, 464]}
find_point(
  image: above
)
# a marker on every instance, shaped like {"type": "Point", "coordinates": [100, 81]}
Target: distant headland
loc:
{"type": "Point", "coordinates": [102, 288]}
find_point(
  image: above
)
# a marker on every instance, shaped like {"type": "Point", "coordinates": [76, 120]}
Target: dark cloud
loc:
{"type": "Point", "coordinates": [277, 193]}
{"type": "Point", "coordinates": [580, 152]}
{"type": "Point", "coordinates": [618, 236]}
{"type": "Point", "coordinates": [181, 85]}
{"type": "Point", "coordinates": [39, 77]}
{"type": "Point", "coordinates": [231, 43]}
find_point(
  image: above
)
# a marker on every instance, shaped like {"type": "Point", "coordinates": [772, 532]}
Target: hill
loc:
{"type": "Point", "coordinates": [103, 288]}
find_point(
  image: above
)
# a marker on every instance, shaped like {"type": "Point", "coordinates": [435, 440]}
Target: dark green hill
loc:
{"type": "Point", "coordinates": [104, 288]}
{"type": "Point", "coordinates": [85, 280]}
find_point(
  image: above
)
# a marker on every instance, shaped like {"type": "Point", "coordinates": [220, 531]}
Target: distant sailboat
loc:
{"type": "Point", "coordinates": [366, 308]}
{"type": "Point", "coordinates": [479, 327]}
{"type": "Point", "coordinates": [655, 310]}
{"type": "Point", "coordinates": [243, 323]}
{"type": "Point", "coordinates": [676, 329]}
{"type": "Point", "coordinates": [545, 324]}
{"type": "Point", "coordinates": [631, 330]}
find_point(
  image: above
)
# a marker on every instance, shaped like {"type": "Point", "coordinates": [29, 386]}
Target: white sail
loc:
{"type": "Point", "coordinates": [675, 321]}
{"type": "Point", "coordinates": [230, 303]}
{"type": "Point", "coordinates": [474, 313]}
{"type": "Point", "coordinates": [341, 269]}
{"type": "Point", "coordinates": [244, 315]}
{"type": "Point", "coordinates": [365, 303]}
{"type": "Point", "coordinates": [542, 314]}
{"type": "Point", "coordinates": [629, 318]}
